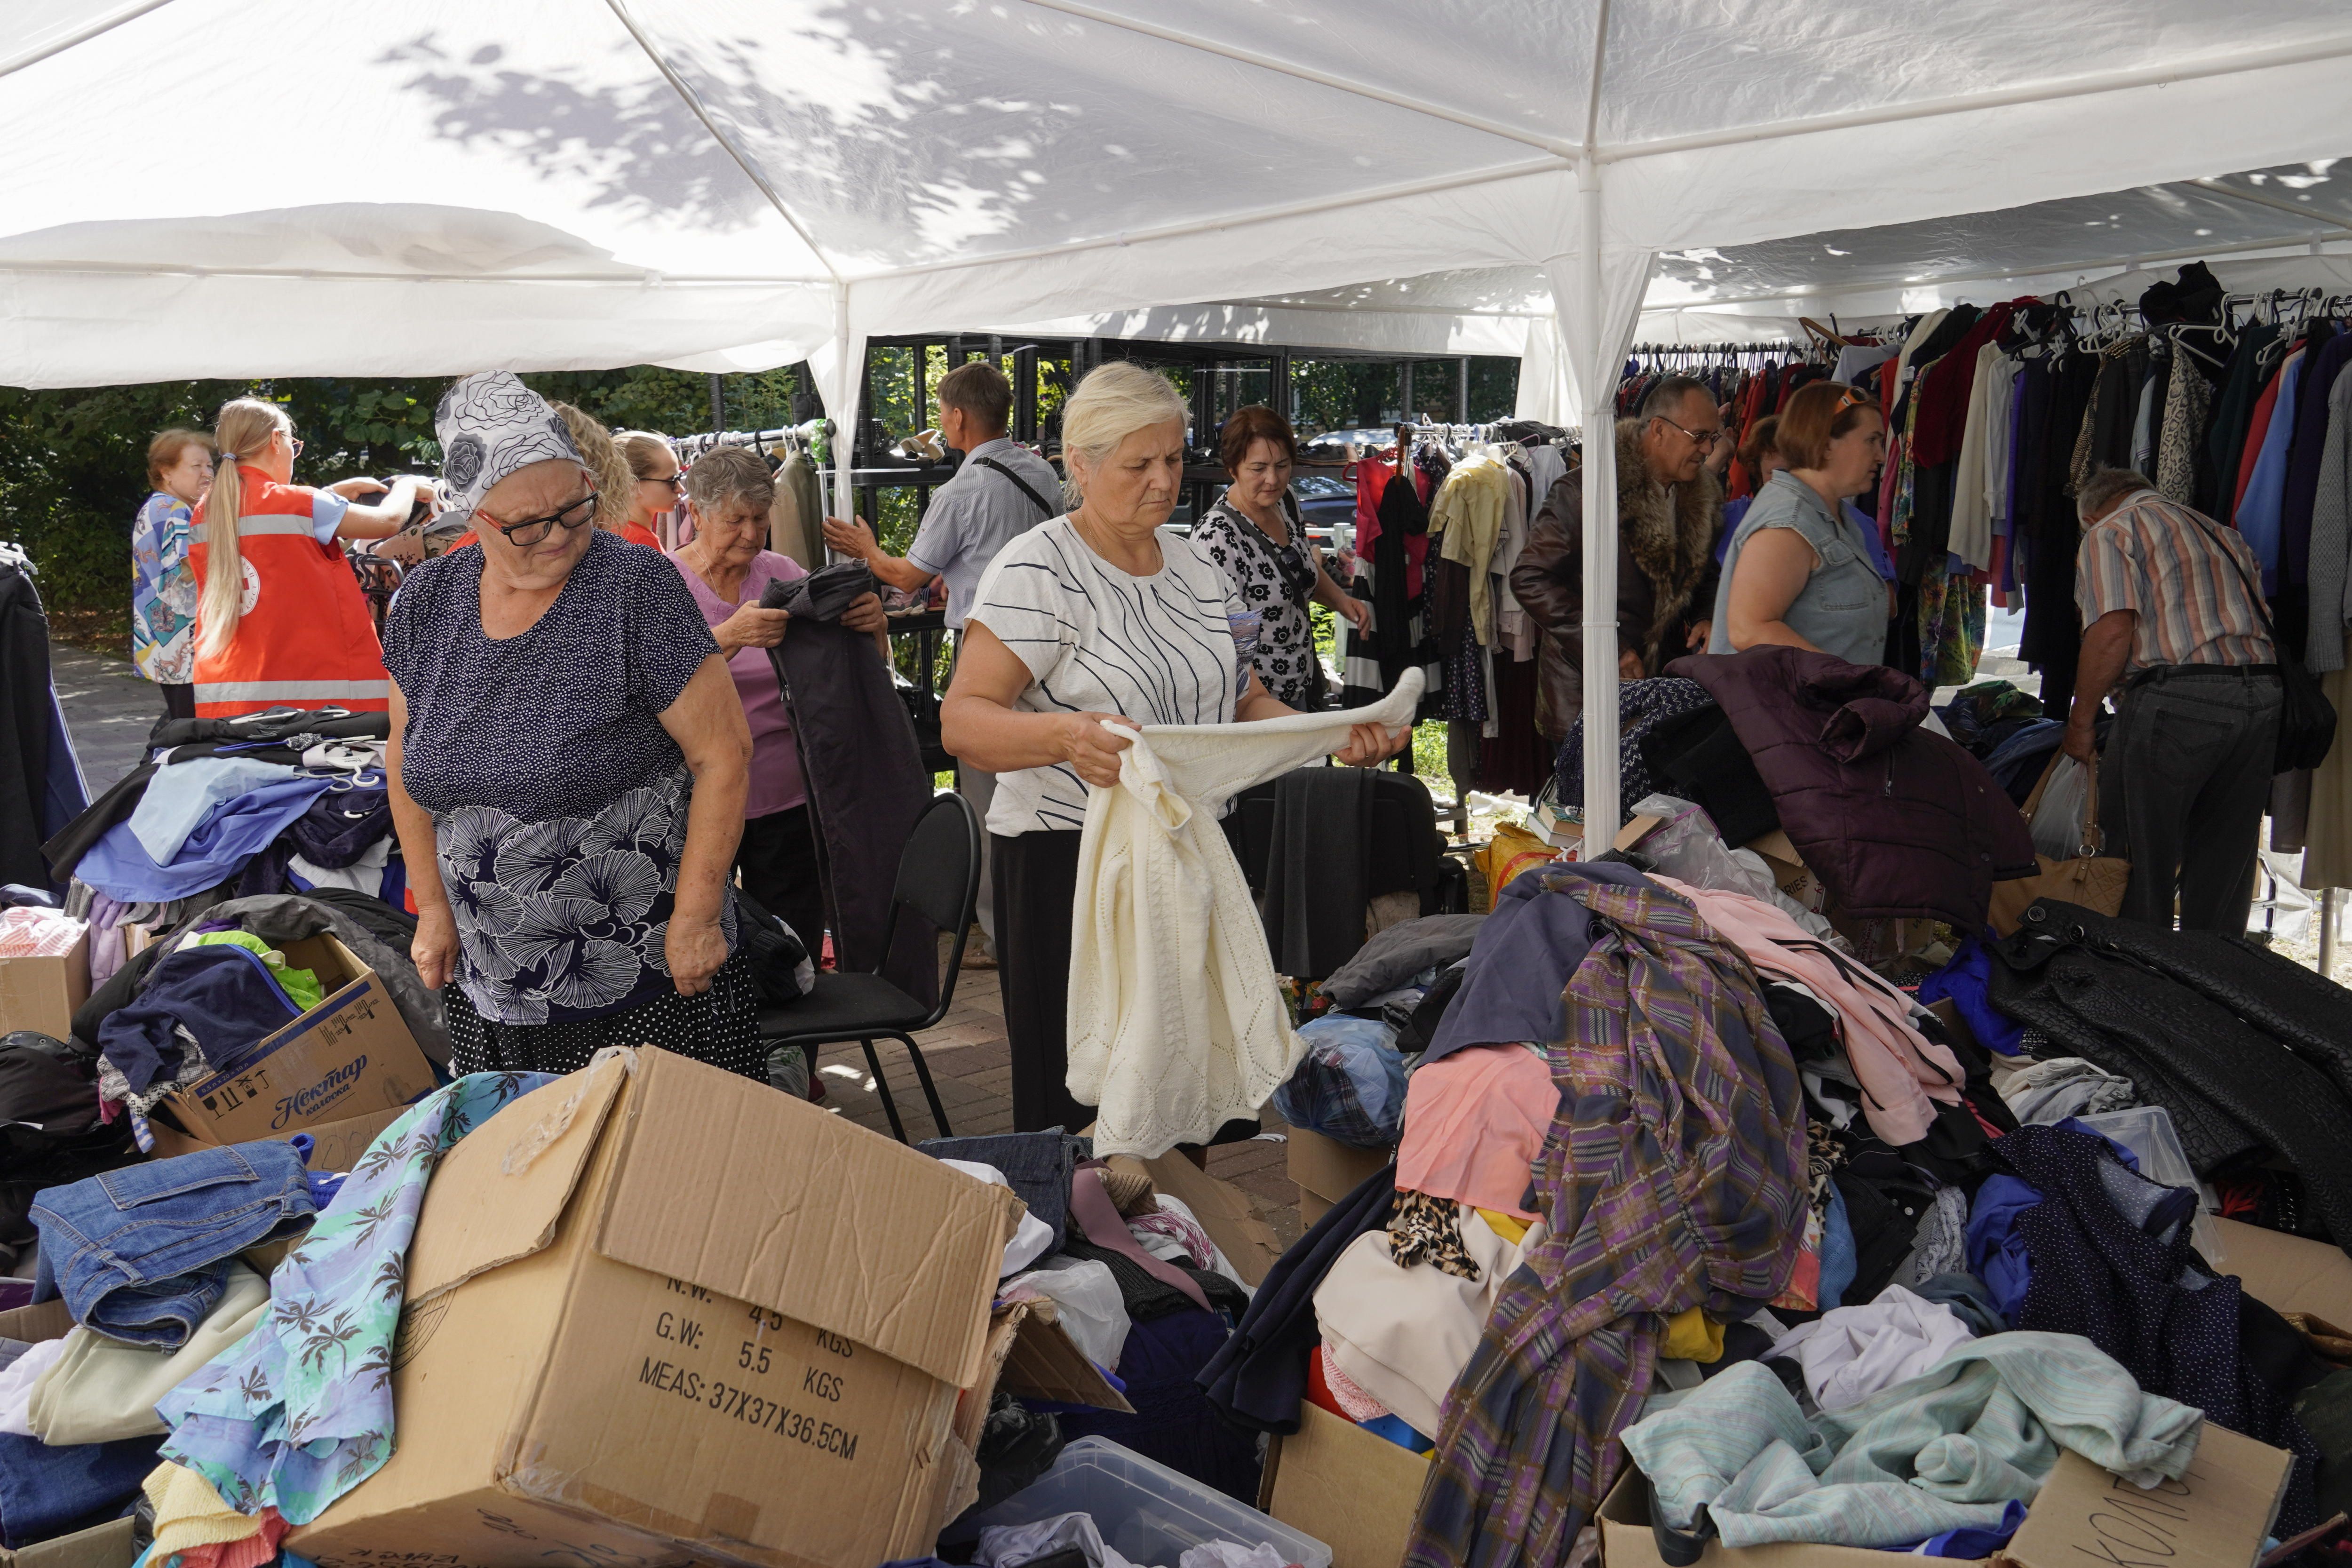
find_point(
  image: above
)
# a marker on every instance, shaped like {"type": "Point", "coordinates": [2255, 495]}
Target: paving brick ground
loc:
{"type": "Point", "coordinates": [110, 708]}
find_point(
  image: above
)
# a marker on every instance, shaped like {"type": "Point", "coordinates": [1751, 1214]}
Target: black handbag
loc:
{"type": "Point", "coordinates": [2306, 719]}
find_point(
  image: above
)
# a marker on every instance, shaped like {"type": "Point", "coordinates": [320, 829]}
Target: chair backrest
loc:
{"type": "Point", "coordinates": [938, 871]}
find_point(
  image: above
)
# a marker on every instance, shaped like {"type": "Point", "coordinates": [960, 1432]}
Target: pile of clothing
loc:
{"type": "Point", "coordinates": [194, 1296]}
{"type": "Point", "coordinates": [196, 1002]}
{"type": "Point", "coordinates": [1682, 1180]}
{"type": "Point", "coordinates": [290, 800]}
{"type": "Point", "coordinates": [1142, 1291]}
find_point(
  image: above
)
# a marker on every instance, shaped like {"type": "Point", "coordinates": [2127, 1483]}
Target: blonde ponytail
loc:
{"type": "Point", "coordinates": [245, 428]}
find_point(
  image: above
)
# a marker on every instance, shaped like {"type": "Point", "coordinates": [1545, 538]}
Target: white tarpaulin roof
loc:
{"type": "Point", "coordinates": [276, 186]}
{"type": "Point", "coordinates": [2260, 229]}
{"type": "Point", "coordinates": [284, 187]}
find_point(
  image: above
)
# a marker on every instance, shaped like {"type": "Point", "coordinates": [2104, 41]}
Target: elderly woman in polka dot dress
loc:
{"type": "Point", "coordinates": [568, 769]}
{"type": "Point", "coordinates": [1254, 535]}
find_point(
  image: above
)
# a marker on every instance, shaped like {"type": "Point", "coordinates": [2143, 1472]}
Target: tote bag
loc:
{"type": "Point", "coordinates": [2086, 877]}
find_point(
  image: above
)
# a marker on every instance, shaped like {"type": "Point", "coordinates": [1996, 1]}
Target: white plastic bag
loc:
{"type": "Point", "coordinates": [2058, 818]}
{"type": "Point", "coordinates": [1086, 1294]}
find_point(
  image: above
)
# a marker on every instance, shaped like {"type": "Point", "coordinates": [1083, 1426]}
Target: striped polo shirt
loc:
{"type": "Point", "coordinates": [2186, 576]}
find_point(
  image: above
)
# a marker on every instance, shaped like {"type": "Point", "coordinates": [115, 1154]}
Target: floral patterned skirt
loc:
{"type": "Point", "coordinates": [720, 1026]}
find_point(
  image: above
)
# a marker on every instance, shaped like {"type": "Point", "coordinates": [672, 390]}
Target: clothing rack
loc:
{"type": "Point", "coordinates": [797, 437]}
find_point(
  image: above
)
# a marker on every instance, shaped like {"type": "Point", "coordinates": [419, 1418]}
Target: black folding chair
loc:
{"type": "Point", "coordinates": [939, 878]}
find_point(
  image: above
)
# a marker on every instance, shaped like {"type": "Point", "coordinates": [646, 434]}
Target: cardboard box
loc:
{"type": "Point", "coordinates": [34, 1324]}
{"type": "Point", "coordinates": [108, 1545]}
{"type": "Point", "coordinates": [338, 1145]}
{"type": "Point", "coordinates": [2216, 1514]}
{"type": "Point", "coordinates": [672, 1314]}
{"type": "Point", "coordinates": [2286, 1272]}
{"type": "Point", "coordinates": [1223, 1210]}
{"type": "Point", "coordinates": [349, 1057]}
{"type": "Point", "coordinates": [1789, 872]}
{"type": "Point", "coordinates": [1354, 1491]}
{"type": "Point", "coordinates": [1637, 827]}
{"type": "Point", "coordinates": [1326, 1171]}
{"type": "Point", "coordinates": [41, 994]}
{"type": "Point", "coordinates": [1030, 1354]}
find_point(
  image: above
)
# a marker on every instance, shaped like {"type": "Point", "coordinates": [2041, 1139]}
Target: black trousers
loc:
{"type": "Point", "coordinates": [1036, 878]}
{"type": "Point", "coordinates": [2182, 784]}
{"type": "Point", "coordinates": [179, 699]}
{"type": "Point", "coordinates": [777, 860]}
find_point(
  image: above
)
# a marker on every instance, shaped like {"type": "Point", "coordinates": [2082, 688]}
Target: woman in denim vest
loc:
{"type": "Point", "coordinates": [1798, 571]}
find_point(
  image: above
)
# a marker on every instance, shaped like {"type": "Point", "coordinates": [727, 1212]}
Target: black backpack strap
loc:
{"type": "Point", "coordinates": [1019, 483]}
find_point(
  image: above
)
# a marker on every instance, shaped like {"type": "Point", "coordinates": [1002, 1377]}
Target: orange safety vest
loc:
{"type": "Point", "coordinates": [305, 638]}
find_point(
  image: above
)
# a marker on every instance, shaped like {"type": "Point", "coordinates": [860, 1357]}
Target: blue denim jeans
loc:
{"type": "Point", "coordinates": [141, 1255]}
{"type": "Point", "coordinates": [47, 1492]}
{"type": "Point", "coordinates": [1036, 1164]}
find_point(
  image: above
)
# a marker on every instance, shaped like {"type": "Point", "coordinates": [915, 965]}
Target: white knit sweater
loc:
{"type": "Point", "coordinates": [1176, 1021]}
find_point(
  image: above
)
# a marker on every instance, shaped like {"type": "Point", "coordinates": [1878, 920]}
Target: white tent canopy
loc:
{"type": "Point", "coordinates": [280, 187]}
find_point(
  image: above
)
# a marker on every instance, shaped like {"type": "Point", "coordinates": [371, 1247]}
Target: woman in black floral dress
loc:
{"type": "Point", "coordinates": [1254, 535]}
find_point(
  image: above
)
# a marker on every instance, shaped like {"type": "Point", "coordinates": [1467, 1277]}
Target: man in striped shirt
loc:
{"type": "Point", "coordinates": [2169, 611]}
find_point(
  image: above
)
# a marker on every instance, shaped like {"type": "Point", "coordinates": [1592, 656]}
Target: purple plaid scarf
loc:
{"type": "Point", "coordinates": [1673, 1177]}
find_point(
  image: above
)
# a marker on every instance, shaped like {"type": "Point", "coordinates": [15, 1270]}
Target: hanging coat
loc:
{"type": "Point", "coordinates": [866, 780]}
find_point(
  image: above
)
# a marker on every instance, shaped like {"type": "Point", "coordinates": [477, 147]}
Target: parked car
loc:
{"type": "Point", "coordinates": [1326, 504]}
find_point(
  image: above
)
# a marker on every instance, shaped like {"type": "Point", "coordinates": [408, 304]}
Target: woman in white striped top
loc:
{"type": "Point", "coordinates": [1102, 614]}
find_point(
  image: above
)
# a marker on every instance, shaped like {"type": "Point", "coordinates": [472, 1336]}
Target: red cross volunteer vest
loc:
{"type": "Point", "coordinates": [305, 638]}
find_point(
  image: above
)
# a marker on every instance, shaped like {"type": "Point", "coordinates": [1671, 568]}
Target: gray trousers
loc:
{"type": "Point", "coordinates": [2182, 784]}
{"type": "Point", "coordinates": [980, 788]}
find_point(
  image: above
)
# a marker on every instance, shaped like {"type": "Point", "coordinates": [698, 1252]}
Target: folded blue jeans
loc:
{"type": "Point", "coordinates": [141, 1255]}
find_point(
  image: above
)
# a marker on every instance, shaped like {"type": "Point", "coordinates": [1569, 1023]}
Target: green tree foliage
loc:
{"type": "Point", "coordinates": [1350, 394]}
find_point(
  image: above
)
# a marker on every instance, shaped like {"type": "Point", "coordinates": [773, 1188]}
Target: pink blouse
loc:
{"type": "Point", "coordinates": [776, 780]}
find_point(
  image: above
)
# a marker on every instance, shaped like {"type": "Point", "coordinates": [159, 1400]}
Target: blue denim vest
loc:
{"type": "Point", "coordinates": [141, 1255]}
{"type": "Point", "coordinates": [1841, 609]}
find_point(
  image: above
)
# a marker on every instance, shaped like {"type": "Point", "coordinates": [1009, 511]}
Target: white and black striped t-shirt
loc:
{"type": "Point", "coordinates": [1158, 649]}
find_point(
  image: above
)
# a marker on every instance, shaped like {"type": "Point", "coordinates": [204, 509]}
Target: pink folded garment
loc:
{"type": "Point", "coordinates": [1473, 1123]}
{"type": "Point", "coordinates": [1900, 1069]}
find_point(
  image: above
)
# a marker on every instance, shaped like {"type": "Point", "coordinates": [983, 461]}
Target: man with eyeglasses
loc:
{"type": "Point", "coordinates": [1669, 513]}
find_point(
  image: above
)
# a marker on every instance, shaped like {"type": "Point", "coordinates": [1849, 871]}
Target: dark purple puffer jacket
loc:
{"type": "Point", "coordinates": [1896, 821]}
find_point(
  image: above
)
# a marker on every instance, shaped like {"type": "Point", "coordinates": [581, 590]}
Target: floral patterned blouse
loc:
{"type": "Point", "coordinates": [163, 592]}
{"type": "Point", "coordinates": [559, 802]}
{"type": "Point", "coordinates": [1276, 581]}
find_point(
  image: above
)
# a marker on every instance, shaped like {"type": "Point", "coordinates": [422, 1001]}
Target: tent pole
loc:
{"type": "Point", "coordinates": [844, 420]}
{"type": "Point", "coordinates": [1598, 389]}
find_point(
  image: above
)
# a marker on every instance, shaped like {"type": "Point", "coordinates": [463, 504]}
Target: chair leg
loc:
{"type": "Point", "coordinates": [930, 1090]}
{"type": "Point", "coordinates": [882, 1086]}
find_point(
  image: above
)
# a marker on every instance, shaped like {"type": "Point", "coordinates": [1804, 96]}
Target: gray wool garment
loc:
{"type": "Point", "coordinates": [1397, 954]}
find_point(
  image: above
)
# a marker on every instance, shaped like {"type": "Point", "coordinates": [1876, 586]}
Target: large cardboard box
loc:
{"type": "Point", "coordinates": [2215, 1516]}
{"type": "Point", "coordinates": [336, 1145]}
{"type": "Point", "coordinates": [1326, 1171]}
{"type": "Point", "coordinates": [108, 1545]}
{"type": "Point", "coordinates": [670, 1314]}
{"type": "Point", "coordinates": [349, 1057]}
{"type": "Point", "coordinates": [1344, 1486]}
{"type": "Point", "coordinates": [2287, 1272]}
{"type": "Point", "coordinates": [41, 994]}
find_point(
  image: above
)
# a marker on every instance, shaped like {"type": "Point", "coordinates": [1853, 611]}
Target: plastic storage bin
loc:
{"type": "Point", "coordinates": [1147, 1512]}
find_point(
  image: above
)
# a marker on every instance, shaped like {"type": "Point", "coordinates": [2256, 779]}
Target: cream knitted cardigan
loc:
{"type": "Point", "coordinates": [1176, 1021]}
